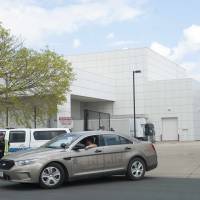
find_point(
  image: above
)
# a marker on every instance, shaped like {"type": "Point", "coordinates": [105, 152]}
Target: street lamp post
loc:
{"type": "Point", "coordinates": [134, 117]}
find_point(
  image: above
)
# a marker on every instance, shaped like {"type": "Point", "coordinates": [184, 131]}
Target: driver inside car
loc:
{"type": "Point", "coordinates": [89, 143]}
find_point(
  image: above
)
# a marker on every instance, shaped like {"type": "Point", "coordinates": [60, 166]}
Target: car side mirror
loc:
{"type": "Point", "coordinates": [63, 145]}
{"type": "Point", "coordinates": [78, 146]}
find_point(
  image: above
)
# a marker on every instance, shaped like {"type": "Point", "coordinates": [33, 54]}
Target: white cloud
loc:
{"type": "Point", "coordinates": [110, 36]}
{"type": "Point", "coordinates": [188, 45]}
{"type": "Point", "coordinates": [76, 43]}
{"type": "Point", "coordinates": [34, 22]}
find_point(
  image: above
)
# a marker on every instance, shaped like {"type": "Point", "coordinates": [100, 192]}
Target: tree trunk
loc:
{"type": "Point", "coordinates": [35, 117]}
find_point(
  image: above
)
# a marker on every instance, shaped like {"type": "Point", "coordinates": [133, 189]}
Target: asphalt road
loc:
{"type": "Point", "coordinates": [177, 177]}
{"type": "Point", "coordinates": [117, 188]}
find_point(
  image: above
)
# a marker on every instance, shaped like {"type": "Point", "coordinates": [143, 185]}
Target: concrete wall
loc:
{"type": "Point", "coordinates": [113, 71]}
{"type": "Point", "coordinates": [162, 89]}
{"type": "Point", "coordinates": [93, 85]}
{"type": "Point", "coordinates": [76, 109]}
{"type": "Point", "coordinates": [196, 108]}
{"type": "Point", "coordinates": [108, 76]}
{"type": "Point", "coordinates": [106, 107]}
{"type": "Point", "coordinates": [160, 68]}
{"type": "Point", "coordinates": [64, 110]}
{"type": "Point", "coordinates": [170, 99]}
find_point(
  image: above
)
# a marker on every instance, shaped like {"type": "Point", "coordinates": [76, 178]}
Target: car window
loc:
{"type": "Point", "coordinates": [47, 135]}
{"type": "Point", "coordinates": [111, 139]}
{"type": "Point", "coordinates": [94, 140]}
{"type": "Point", "coordinates": [66, 139]}
{"type": "Point", "coordinates": [124, 140]}
{"type": "Point", "coordinates": [101, 141]}
{"type": "Point", "coordinates": [17, 136]}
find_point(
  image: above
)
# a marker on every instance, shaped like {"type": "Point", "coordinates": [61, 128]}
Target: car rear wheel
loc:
{"type": "Point", "coordinates": [52, 176]}
{"type": "Point", "coordinates": [136, 169]}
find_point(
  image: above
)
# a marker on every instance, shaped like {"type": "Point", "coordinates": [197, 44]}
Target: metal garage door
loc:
{"type": "Point", "coordinates": [169, 128]}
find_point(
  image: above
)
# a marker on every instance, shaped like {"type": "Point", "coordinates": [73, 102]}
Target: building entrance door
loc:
{"type": "Point", "coordinates": [170, 129]}
{"type": "Point", "coordinates": [96, 120]}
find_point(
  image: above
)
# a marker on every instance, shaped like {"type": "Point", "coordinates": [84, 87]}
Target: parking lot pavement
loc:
{"type": "Point", "coordinates": [178, 159]}
{"type": "Point", "coordinates": [176, 178]}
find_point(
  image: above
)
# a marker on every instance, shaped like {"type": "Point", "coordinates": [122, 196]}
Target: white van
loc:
{"type": "Point", "coordinates": [22, 139]}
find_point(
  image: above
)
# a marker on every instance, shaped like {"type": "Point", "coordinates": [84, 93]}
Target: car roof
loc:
{"type": "Point", "coordinates": [37, 129]}
{"type": "Point", "coordinates": [100, 132]}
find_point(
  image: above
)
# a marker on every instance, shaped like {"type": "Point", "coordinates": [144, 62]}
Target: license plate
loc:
{"type": "Point", "coordinates": [1, 174]}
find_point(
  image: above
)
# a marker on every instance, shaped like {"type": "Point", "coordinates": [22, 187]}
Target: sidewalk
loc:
{"type": "Point", "coordinates": [178, 159]}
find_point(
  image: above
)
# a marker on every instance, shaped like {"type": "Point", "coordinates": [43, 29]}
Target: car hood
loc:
{"type": "Point", "coordinates": [33, 153]}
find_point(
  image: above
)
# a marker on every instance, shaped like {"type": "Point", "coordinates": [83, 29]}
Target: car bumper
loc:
{"type": "Point", "coordinates": [152, 162]}
{"type": "Point", "coordinates": [152, 166]}
{"type": "Point", "coordinates": [22, 174]}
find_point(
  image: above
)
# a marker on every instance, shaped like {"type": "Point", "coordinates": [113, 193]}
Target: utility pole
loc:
{"type": "Point", "coordinates": [35, 117]}
{"type": "Point", "coordinates": [7, 109]}
{"type": "Point", "coordinates": [134, 114]}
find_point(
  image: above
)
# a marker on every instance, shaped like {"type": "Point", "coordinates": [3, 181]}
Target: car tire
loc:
{"type": "Point", "coordinates": [136, 169]}
{"type": "Point", "coordinates": [52, 176]}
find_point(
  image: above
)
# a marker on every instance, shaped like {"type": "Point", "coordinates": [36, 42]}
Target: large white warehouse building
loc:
{"type": "Point", "coordinates": [165, 96]}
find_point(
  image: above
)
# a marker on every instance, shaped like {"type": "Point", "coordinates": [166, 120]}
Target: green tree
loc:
{"type": "Point", "coordinates": [32, 83]}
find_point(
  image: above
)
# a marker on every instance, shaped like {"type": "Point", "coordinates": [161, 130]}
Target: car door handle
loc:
{"type": "Point", "coordinates": [127, 148]}
{"type": "Point", "coordinates": [98, 151]}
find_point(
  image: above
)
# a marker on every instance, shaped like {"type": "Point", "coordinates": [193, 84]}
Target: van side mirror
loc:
{"type": "Point", "coordinates": [78, 146]}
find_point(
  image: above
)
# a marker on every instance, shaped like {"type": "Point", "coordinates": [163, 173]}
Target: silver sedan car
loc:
{"type": "Point", "coordinates": [80, 155]}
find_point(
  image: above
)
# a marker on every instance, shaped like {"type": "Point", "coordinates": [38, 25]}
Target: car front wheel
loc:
{"type": "Point", "coordinates": [136, 169]}
{"type": "Point", "coordinates": [52, 176]}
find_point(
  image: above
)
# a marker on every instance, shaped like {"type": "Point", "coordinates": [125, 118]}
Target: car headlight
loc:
{"type": "Point", "coordinates": [25, 162]}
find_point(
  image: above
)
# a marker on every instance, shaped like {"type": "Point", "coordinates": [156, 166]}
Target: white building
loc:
{"type": "Point", "coordinates": [164, 94]}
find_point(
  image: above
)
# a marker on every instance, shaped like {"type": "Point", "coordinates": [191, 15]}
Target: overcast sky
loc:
{"type": "Point", "coordinates": [170, 27]}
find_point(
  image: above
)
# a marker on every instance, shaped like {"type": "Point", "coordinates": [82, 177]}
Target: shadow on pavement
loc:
{"type": "Point", "coordinates": [78, 183]}
{"type": "Point", "coordinates": [108, 182]}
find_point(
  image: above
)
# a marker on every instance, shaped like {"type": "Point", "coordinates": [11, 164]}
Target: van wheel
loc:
{"type": "Point", "coordinates": [136, 169]}
{"type": "Point", "coordinates": [52, 176]}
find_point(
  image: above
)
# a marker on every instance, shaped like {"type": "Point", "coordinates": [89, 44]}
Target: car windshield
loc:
{"type": "Point", "coordinates": [66, 139]}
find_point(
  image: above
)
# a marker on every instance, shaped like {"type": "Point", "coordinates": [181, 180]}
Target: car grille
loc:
{"type": "Point", "coordinates": [6, 164]}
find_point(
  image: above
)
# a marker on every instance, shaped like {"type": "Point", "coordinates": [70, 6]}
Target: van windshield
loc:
{"type": "Point", "coordinates": [66, 139]}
